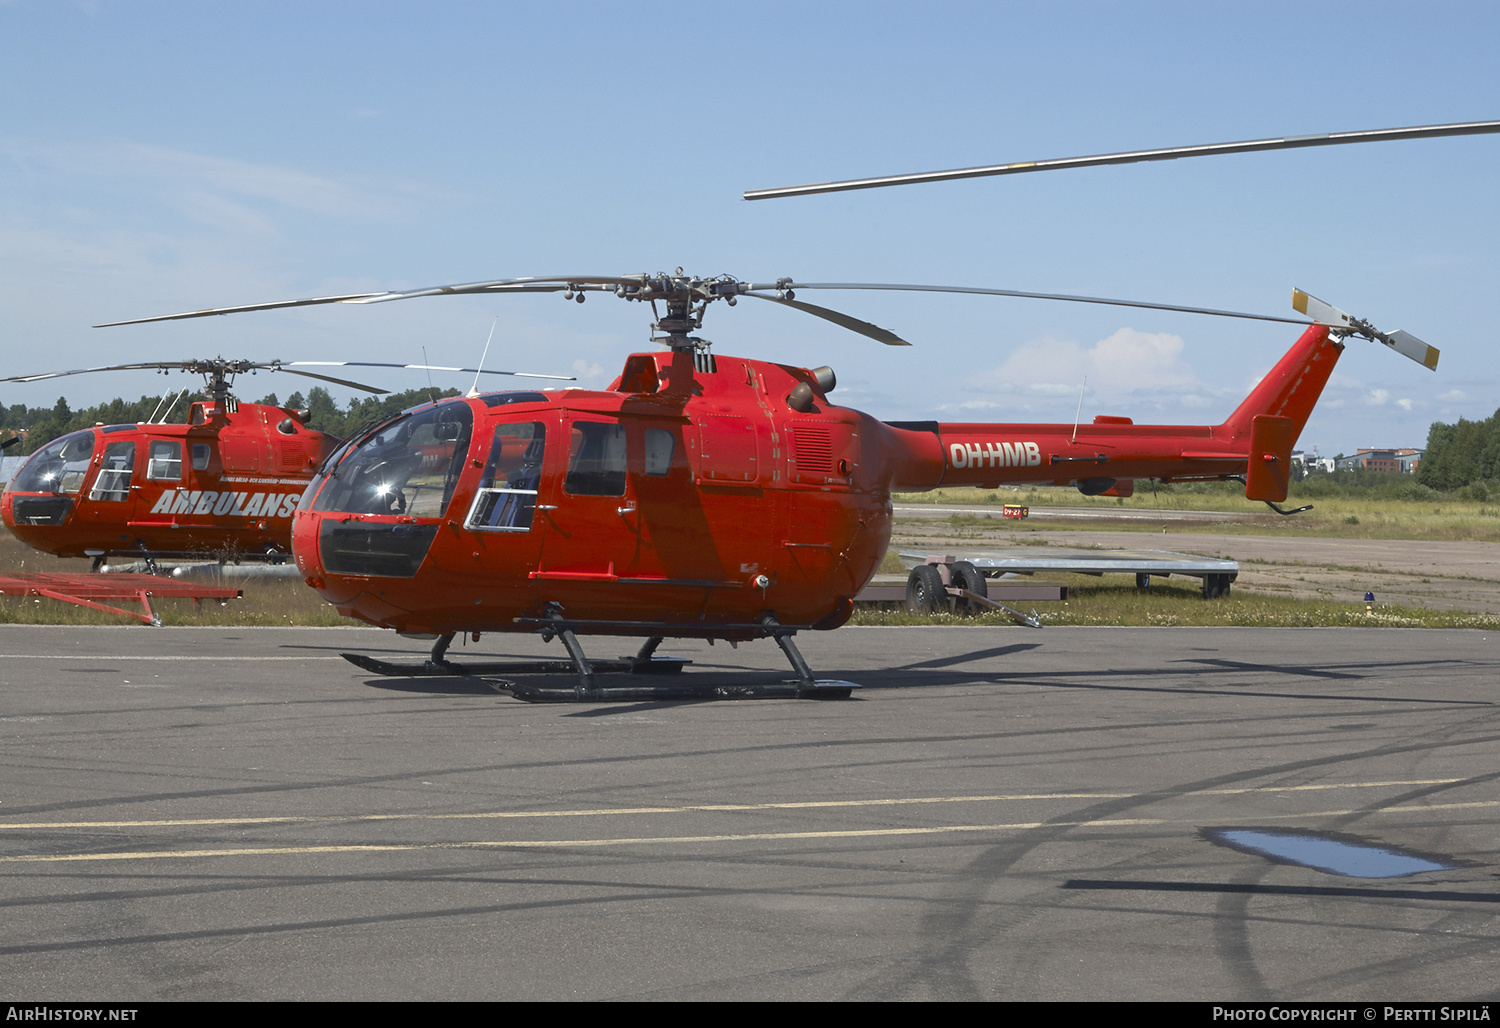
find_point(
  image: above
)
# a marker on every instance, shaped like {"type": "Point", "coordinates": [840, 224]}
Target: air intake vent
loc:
{"type": "Point", "coordinates": [812, 448]}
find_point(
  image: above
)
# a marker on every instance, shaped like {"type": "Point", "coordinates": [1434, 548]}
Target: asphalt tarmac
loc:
{"type": "Point", "coordinates": [998, 814]}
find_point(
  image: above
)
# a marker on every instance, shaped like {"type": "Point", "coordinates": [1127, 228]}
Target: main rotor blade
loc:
{"type": "Point", "coordinates": [420, 367]}
{"type": "Point", "coordinates": [329, 378]}
{"type": "Point", "coordinates": [210, 312]}
{"type": "Point", "coordinates": [530, 284]}
{"type": "Point", "coordinates": [546, 284]}
{"type": "Point", "coordinates": [148, 366]}
{"type": "Point", "coordinates": [1468, 128]}
{"type": "Point", "coordinates": [1043, 296]}
{"type": "Point", "coordinates": [864, 328]}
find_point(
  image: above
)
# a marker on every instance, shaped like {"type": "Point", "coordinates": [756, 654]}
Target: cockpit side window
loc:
{"type": "Point", "coordinates": [659, 445]}
{"type": "Point", "coordinates": [112, 483]}
{"type": "Point", "coordinates": [165, 463]}
{"type": "Point", "coordinates": [506, 500]}
{"type": "Point", "coordinates": [596, 462]}
{"type": "Point", "coordinates": [201, 453]}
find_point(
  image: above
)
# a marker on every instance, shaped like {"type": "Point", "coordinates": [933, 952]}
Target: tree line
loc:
{"type": "Point", "coordinates": [1461, 455]}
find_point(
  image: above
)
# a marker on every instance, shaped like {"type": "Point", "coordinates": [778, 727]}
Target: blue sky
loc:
{"type": "Point", "coordinates": [158, 157]}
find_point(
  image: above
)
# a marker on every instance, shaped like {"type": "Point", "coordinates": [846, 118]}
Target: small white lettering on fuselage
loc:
{"type": "Point", "coordinates": [247, 505]}
{"type": "Point", "coordinates": [994, 455]}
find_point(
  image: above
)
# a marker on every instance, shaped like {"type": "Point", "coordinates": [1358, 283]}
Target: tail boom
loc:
{"type": "Point", "coordinates": [1255, 441]}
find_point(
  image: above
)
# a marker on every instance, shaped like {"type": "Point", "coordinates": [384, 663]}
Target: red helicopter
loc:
{"type": "Point", "coordinates": [710, 497]}
{"type": "Point", "coordinates": [224, 484]}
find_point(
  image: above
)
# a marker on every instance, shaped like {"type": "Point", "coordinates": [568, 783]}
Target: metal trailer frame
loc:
{"type": "Point", "coordinates": [1217, 575]}
{"type": "Point", "coordinates": [86, 590]}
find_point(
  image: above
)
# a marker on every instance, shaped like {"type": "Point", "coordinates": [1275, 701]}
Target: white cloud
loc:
{"type": "Point", "coordinates": [1134, 360]}
{"type": "Point", "coordinates": [1404, 403]}
{"type": "Point", "coordinates": [283, 185]}
{"type": "Point", "coordinates": [199, 184]}
{"type": "Point", "coordinates": [1378, 397]}
{"type": "Point", "coordinates": [220, 212]}
{"type": "Point", "coordinates": [1127, 361]}
{"type": "Point", "coordinates": [1052, 388]}
{"type": "Point", "coordinates": [589, 375]}
{"type": "Point", "coordinates": [1454, 396]}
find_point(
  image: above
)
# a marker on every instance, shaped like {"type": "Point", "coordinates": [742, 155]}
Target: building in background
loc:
{"type": "Point", "coordinates": [1312, 462]}
{"type": "Point", "coordinates": [1404, 461]}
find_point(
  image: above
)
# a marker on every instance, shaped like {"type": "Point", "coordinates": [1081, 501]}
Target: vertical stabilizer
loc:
{"type": "Point", "coordinates": [1291, 388]}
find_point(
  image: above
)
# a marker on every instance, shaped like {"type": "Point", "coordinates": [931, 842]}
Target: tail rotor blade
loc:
{"type": "Point", "coordinates": [1320, 312]}
{"type": "Point", "coordinates": [1404, 343]}
{"type": "Point", "coordinates": [1408, 345]}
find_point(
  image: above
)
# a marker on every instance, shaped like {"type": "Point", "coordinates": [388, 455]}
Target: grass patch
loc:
{"type": "Point", "coordinates": [1337, 516]}
{"type": "Point", "coordinates": [267, 602]}
{"type": "Point", "coordinates": [277, 603]}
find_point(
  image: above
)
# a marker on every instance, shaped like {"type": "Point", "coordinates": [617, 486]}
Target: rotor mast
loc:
{"type": "Point", "coordinates": [686, 298]}
{"type": "Point", "coordinates": [218, 379]}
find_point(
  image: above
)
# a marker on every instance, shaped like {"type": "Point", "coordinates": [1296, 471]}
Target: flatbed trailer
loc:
{"type": "Point", "coordinates": [87, 590]}
{"type": "Point", "coordinates": [1215, 573]}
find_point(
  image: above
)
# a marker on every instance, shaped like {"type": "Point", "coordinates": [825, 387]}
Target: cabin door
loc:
{"type": "Point", "coordinates": [589, 512]}
{"type": "Point", "coordinates": [506, 521]}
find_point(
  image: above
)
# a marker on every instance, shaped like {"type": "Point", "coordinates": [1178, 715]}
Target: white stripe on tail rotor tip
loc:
{"type": "Point", "coordinates": [1320, 312]}
{"type": "Point", "coordinates": [1408, 345]}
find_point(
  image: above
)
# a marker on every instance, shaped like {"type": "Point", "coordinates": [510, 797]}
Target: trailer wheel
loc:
{"type": "Point", "coordinates": [967, 576]}
{"type": "Point", "coordinates": [924, 590]}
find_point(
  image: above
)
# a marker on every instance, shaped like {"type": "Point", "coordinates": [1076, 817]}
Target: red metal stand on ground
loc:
{"type": "Point", "coordinates": [85, 590]}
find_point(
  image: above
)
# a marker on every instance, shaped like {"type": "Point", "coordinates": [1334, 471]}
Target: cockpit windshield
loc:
{"type": "Point", "coordinates": [410, 466]}
{"type": "Point", "coordinates": [58, 467]}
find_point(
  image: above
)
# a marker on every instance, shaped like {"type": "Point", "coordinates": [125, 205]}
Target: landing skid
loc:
{"type": "Point", "coordinates": [587, 690]}
{"type": "Point", "coordinates": [449, 669]}
{"type": "Point", "coordinates": [788, 690]}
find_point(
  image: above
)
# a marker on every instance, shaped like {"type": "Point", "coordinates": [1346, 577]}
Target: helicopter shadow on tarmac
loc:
{"type": "Point", "coordinates": [1188, 676]}
{"type": "Point", "coordinates": [616, 692]}
{"type": "Point", "coordinates": [707, 683]}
